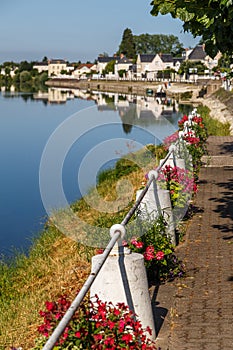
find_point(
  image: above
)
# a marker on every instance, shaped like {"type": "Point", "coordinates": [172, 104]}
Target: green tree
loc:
{"type": "Point", "coordinates": [16, 79]}
{"type": "Point", "coordinates": [25, 66]}
{"type": "Point", "coordinates": [109, 67]}
{"type": "Point", "coordinates": [127, 45]}
{"type": "Point", "coordinates": [211, 19]}
{"type": "Point", "coordinates": [224, 63]}
{"type": "Point", "coordinates": [25, 77]}
{"type": "Point", "coordinates": [187, 65]}
{"type": "Point", "coordinates": [156, 43]}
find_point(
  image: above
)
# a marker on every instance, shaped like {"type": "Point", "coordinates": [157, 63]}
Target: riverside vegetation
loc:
{"type": "Point", "coordinates": [57, 265]}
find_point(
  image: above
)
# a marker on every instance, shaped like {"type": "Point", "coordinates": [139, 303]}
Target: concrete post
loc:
{"type": "Point", "coordinates": [174, 161]}
{"type": "Point", "coordinates": [157, 202]}
{"type": "Point", "coordinates": [123, 279]}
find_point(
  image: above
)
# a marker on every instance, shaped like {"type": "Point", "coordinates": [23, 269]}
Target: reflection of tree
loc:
{"type": "Point", "coordinates": [127, 128]}
{"type": "Point", "coordinates": [128, 116]}
{"type": "Point", "coordinates": [185, 108]}
{"type": "Point", "coordinates": [27, 97]}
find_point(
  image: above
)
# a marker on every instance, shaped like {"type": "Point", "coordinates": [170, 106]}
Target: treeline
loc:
{"type": "Point", "coordinates": [22, 76]}
{"type": "Point", "coordinates": [131, 45]}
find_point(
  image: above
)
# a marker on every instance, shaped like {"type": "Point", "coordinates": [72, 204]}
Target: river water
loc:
{"type": "Point", "coordinates": [59, 135]}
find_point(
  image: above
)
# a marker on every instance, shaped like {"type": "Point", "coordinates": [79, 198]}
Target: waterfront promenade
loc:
{"type": "Point", "coordinates": [196, 312]}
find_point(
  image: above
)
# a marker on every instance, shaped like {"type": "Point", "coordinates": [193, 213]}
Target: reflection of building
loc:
{"type": "Point", "coordinates": [54, 95]}
{"type": "Point", "coordinates": [156, 106]}
{"type": "Point", "coordinates": [144, 106]}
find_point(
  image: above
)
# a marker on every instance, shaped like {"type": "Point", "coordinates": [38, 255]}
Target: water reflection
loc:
{"type": "Point", "coordinates": [133, 110]}
{"type": "Point", "coordinates": [29, 119]}
{"type": "Point", "coordinates": [146, 106]}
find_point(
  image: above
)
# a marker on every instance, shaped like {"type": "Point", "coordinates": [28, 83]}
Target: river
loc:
{"type": "Point", "coordinates": [88, 130]}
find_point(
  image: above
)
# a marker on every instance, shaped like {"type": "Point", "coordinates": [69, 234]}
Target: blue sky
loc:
{"type": "Point", "coordinates": [76, 29]}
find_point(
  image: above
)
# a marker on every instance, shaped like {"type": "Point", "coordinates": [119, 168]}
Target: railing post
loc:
{"type": "Point", "coordinates": [163, 199]}
{"type": "Point", "coordinates": [123, 279]}
{"type": "Point", "coordinates": [173, 160]}
{"type": "Point", "coordinates": [157, 202]}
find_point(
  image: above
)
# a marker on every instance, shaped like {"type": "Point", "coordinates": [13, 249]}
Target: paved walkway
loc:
{"type": "Point", "coordinates": [196, 313]}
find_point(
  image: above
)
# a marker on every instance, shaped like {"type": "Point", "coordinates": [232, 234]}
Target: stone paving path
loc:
{"type": "Point", "coordinates": [196, 313]}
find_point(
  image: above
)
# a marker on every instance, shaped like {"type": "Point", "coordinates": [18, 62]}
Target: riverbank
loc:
{"type": "Point", "coordinates": [126, 87]}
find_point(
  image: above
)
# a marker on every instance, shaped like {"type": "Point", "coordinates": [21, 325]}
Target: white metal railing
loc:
{"type": "Point", "coordinates": [117, 232]}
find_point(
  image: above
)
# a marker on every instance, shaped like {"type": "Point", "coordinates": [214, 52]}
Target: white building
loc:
{"type": "Point", "coordinates": [41, 66]}
{"type": "Point", "coordinates": [56, 66]}
{"type": "Point", "coordinates": [149, 65]}
{"type": "Point", "coordinates": [83, 70]}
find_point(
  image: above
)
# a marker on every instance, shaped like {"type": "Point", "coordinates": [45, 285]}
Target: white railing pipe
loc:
{"type": "Point", "coordinates": [79, 298]}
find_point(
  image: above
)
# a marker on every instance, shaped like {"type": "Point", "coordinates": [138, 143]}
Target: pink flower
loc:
{"type": "Point", "coordinates": [124, 243]}
{"type": "Point", "coordinates": [136, 243]}
{"type": "Point", "coordinates": [170, 139]}
{"type": "Point", "coordinates": [159, 255]}
{"type": "Point", "coordinates": [58, 316]}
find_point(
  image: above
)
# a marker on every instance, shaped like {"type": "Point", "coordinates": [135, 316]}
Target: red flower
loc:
{"type": "Point", "coordinates": [116, 312]}
{"type": "Point", "coordinates": [121, 325]}
{"type": "Point", "coordinates": [109, 341]}
{"type": "Point", "coordinates": [149, 253]}
{"type": "Point", "coordinates": [49, 305]}
{"type": "Point", "coordinates": [159, 255]}
{"type": "Point", "coordinates": [184, 119]}
{"type": "Point", "coordinates": [111, 324]}
{"type": "Point", "coordinates": [78, 334]}
{"type": "Point", "coordinates": [127, 338]}
{"type": "Point", "coordinates": [98, 337]}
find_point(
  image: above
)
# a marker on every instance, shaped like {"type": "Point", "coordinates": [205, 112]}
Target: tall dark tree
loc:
{"type": "Point", "coordinates": [211, 19]}
{"type": "Point", "coordinates": [156, 43]}
{"type": "Point", "coordinates": [127, 45]}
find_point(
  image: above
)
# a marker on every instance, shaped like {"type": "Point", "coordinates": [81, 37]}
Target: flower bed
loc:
{"type": "Point", "coordinates": [96, 325]}
{"type": "Point", "coordinates": [155, 244]}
